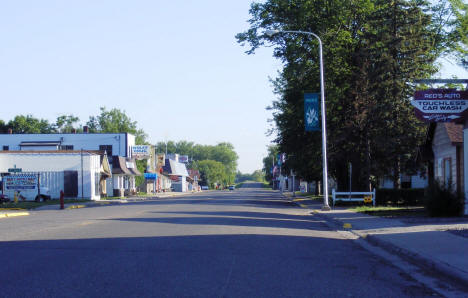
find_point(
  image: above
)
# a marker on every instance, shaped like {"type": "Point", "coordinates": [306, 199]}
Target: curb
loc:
{"type": "Point", "coordinates": [460, 278]}
{"type": "Point", "coordinates": [414, 258]}
{"type": "Point", "coordinates": [15, 214]}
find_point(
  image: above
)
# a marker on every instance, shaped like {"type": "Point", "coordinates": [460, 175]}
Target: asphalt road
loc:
{"type": "Point", "coordinates": [245, 243]}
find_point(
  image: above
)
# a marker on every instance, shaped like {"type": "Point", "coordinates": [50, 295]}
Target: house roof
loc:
{"type": "Point", "coordinates": [455, 132]}
{"type": "Point", "coordinates": [119, 166]}
{"type": "Point", "coordinates": [173, 167]}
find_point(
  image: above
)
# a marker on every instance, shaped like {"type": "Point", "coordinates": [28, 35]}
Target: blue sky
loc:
{"type": "Point", "coordinates": [173, 66]}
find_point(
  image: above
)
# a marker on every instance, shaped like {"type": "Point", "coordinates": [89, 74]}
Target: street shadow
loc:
{"type": "Point", "coordinates": [194, 266]}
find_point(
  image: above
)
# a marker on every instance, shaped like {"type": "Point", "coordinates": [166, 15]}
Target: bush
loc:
{"type": "Point", "coordinates": [443, 201]}
{"type": "Point", "coordinates": [403, 197]}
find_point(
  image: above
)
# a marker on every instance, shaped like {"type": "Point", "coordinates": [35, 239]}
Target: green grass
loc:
{"type": "Point", "coordinates": [266, 185]}
{"type": "Point", "coordinates": [391, 211]}
{"type": "Point", "coordinates": [111, 198]}
{"type": "Point", "coordinates": [239, 185]}
{"type": "Point", "coordinates": [26, 205]}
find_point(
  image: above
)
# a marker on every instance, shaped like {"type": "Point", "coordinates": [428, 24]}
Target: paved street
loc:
{"type": "Point", "coordinates": [245, 243]}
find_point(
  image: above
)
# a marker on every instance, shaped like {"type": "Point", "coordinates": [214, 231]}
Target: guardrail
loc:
{"type": "Point", "coordinates": [353, 196]}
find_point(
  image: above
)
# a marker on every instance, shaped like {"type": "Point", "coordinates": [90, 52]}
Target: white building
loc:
{"type": "Point", "coordinates": [114, 144]}
{"type": "Point", "coordinates": [79, 174]}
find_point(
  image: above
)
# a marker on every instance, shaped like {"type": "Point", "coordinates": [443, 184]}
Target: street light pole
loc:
{"type": "Point", "coordinates": [322, 101]}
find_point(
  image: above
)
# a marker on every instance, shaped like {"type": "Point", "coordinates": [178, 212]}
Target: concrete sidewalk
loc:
{"type": "Point", "coordinates": [424, 242]}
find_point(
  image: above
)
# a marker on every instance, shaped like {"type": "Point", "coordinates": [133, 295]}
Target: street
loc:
{"type": "Point", "coordinates": [250, 242]}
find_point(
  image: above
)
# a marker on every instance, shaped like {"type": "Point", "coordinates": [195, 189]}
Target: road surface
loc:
{"type": "Point", "coordinates": [244, 243]}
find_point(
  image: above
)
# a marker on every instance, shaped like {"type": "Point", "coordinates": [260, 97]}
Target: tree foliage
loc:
{"type": "Point", "coordinates": [223, 153]}
{"type": "Point", "coordinates": [212, 172]}
{"type": "Point", "coordinates": [373, 50]}
{"type": "Point", "coordinates": [66, 123]}
{"type": "Point", "coordinates": [116, 121]}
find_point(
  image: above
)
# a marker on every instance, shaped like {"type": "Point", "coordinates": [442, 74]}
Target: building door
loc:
{"type": "Point", "coordinates": [70, 181]}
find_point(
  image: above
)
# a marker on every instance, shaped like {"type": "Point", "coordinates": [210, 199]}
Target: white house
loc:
{"type": "Point", "coordinates": [80, 174]}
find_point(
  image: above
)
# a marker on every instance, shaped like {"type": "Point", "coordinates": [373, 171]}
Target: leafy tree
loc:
{"type": "Point", "coordinates": [211, 172]}
{"type": "Point", "coordinates": [460, 32]}
{"type": "Point", "coordinates": [373, 49]}
{"type": "Point", "coordinates": [29, 124]}
{"type": "Point", "coordinates": [115, 121]}
{"type": "Point", "coordinates": [269, 161]}
{"type": "Point", "coordinates": [66, 123]}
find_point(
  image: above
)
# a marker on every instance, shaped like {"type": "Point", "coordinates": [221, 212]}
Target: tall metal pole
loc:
{"type": "Point", "coordinates": [322, 101]}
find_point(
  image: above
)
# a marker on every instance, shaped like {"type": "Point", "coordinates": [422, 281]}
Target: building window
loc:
{"type": "Point", "coordinates": [66, 147]}
{"type": "Point", "coordinates": [6, 148]}
{"type": "Point", "coordinates": [447, 172]}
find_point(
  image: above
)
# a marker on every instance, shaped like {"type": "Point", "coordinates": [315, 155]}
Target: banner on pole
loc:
{"type": "Point", "coordinates": [311, 112]}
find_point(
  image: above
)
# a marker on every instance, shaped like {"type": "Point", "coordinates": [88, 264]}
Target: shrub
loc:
{"type": "Point", "coordinates": [443, 201]}
{"type": "Point", "coordinates": [404, 196]}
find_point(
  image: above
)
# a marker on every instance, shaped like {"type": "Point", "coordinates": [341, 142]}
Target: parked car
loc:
{"type": "Point", "coordinates": [4, 198]}
{"type": "Point", "coordinates": [204, 187]}
{"type": "Point", "coordinates": [232, 187]}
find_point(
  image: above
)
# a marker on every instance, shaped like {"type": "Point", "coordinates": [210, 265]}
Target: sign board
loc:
{"type": "Point", "coordinates": [311, 112]}
{"type": "Point", "coordinates": [151, 176]}
{"type": "Point", "coordinates": [440, 105]}
{"type": "Point", "coordinates": [141, 151]}
{"type": "Point", "coordinates": [15, 170]}
{"type": "Point", "coordinates": [183, 159]}
{"type": "Point", "coordinates": [20, 181]}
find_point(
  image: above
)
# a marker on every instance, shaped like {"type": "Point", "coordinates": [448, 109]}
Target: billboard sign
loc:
{"type": "Point", "coordinates": [21, 181]}
{"type": "Point", "coordinates": [440, 105]}
{"type": "Point", "coordinates": [141, 151]}
{"type": "Point", "coordinates": [311, 112]}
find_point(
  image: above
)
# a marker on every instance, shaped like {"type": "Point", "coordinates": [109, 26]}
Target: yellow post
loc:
{"type": "Point", "coordinates": [15, 197]}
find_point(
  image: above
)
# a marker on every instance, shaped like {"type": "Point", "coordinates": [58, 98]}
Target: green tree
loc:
{"type": "Point", "coordinates": [29, 124]}
{"type": "Point", "coordinates": [460, 32]}
{"type": "Point", "coordinates": [66, 123]}
{"type": "Point", "coordinates": [115, 121]}
{"type": "Point", "coordinates": [372, 51]}
{"type": "Point", "coordinates": [211, 172]}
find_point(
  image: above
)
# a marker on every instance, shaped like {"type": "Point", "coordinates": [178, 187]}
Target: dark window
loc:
{"type": "Point", "coordinates": [6, 148]}
{"type": "Point", "coordinates": [66, 147]}
{"type": "Point", "coordinates": [107, 148]}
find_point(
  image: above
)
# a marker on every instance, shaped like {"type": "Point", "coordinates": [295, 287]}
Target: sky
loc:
{"type": "Point", "coordinates": [173, 66]}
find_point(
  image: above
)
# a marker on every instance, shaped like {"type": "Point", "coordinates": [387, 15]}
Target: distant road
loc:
{"type": "Point", "coordinates": [249, 242]}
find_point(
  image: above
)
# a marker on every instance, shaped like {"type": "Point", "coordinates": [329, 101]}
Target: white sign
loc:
{"type": "Point", "coordinates": [21, 181]}
{"type": "Point", "coordinates": [141, 151]}
{"type": "Point", "coordinates": [440, 106]}
{"type": "Point", "coordinates": [183, 158]}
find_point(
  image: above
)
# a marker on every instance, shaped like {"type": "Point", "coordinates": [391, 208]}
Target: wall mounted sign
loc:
{"type": "Point", "coordinates": [440, 105]}
{"type": "Point", "coordinates": [141, 151]}
{"type": "Point", "coordinates": [21, 181]}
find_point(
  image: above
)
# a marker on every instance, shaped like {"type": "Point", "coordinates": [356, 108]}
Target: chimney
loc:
{"type": "Point", "coordinates": [85, 129]}
{"type": "Point", "coordinates": [10, 131]}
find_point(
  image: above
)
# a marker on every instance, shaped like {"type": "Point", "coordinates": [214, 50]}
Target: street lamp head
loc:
{"type": "Point", "coordinates": [270, 33]}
